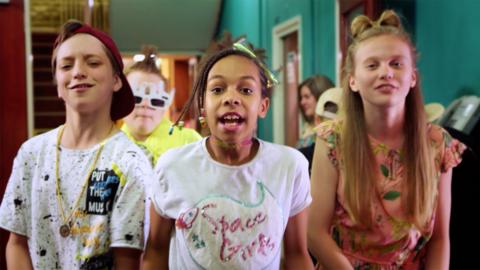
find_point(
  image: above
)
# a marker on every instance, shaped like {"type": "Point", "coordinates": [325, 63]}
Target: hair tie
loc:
{"type": "Point", "coordinates": [241, 45]}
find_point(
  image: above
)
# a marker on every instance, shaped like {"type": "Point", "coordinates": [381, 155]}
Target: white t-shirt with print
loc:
{"type": "Point", "coordinates": [110, 212]}
{"type": "Point", "coordinates": [229, 217]}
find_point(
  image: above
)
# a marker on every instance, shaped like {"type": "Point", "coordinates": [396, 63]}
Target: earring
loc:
{"type": "Point", "coordinates": [201, 119]}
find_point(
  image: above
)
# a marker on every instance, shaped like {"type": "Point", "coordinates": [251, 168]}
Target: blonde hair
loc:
{"type": "Point", "coordinates": [358, 159]}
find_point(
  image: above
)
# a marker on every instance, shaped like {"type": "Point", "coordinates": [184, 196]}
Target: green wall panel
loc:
{"type": "Point", "coordinates": [324, 55]}
{"type": "Point", "coordinates": [448, 39]}
{"type": "Point", "coordinates": [241, 17]}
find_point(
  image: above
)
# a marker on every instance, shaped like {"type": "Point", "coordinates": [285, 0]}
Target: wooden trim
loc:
{"type": "Point", "coordinates": [278, 98]}
{"type": "Point", "coordinates": [13, 96]}
{"type": "Point", "coordinates": [290, 26]}
{"type": "Point", "coordinates": [371, 8]}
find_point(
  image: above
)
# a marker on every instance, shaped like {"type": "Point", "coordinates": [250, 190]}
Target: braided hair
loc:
{"type": "Point", "coordinates": [217, 51]}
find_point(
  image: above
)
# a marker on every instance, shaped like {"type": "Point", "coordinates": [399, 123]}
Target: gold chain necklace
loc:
{"type": "Point", "coordinates": [66, 227]}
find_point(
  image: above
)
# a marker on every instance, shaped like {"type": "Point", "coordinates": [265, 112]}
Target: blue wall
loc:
{"type": "Point", "coordinates": [257, 18]}
{"type": "Point", "coordinates": [448, 39]}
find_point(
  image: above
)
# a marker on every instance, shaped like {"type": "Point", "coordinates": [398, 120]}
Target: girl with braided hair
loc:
{"type": "Point", "coordinates": [229, 200]}
{"type": "Point", "coordinates": [381, 177]}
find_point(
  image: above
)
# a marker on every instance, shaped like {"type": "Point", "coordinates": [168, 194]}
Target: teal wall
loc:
{"type": "Point", "coordinates": [249, 24]}
{"type": "Point", "coordinates": [257, 18]}
{"type": "Point", "coordinates": [323, 30]}
{"type": "Point", "coordinates": [448, 39]}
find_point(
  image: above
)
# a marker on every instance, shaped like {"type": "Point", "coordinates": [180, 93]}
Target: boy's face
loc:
{"type": "Point", "coordinates": [233, 99]}
{"type": "Point", "coordinates": [151, 102]}
{"type": "Point", "coordinates": [84, 75]}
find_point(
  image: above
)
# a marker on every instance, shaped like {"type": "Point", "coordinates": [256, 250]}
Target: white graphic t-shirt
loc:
{"type": "Point", "coordinates": [110, 212]}
{"type": "Point", "coordinates": [229, 217]}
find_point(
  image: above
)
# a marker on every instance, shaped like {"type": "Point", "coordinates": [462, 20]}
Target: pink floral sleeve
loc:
{"type": "Point", "coordinates": [452, 152]}
{"type": "Point", "coordinates": [329, 132]}
{"type": "Point", "coordinates": [449, 150]}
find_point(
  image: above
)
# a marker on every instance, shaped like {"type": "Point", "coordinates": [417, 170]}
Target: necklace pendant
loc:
{"type": "Point", "coordinates": [64, 230]}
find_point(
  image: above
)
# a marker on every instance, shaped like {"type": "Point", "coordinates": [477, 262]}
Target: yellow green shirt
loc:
{"type": "Point", "coordinates": [160, 141]}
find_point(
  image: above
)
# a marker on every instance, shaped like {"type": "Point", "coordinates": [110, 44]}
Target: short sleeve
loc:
{"type": "Point", "coordinates": [159, 191]}
{"type": "Point", "coordinates": [329, 132]}
{"type": "Point", "coordinates": [16, 204]}
{"type": "Point", "coordinates": [452, 151]}
{"type": "Point", "coordinates": [301, 187]}
{"type": "Point", "coordinates": [128, 216]}
{"type": "Point", "coordinates": [161, 195]}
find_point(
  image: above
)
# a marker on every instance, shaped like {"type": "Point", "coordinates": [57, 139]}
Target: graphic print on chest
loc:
{"type": "Point", "coordinates": [224, 233]}
{"type": "Point", "coordinates": [101, 190]}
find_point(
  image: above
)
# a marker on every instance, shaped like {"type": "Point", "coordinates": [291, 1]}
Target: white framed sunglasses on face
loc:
{"type": "Point", "coordinates": [154, 93]}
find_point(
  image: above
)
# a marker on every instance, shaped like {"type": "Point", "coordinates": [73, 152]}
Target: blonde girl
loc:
{"type": "Point", "coordinates": [381, 177]}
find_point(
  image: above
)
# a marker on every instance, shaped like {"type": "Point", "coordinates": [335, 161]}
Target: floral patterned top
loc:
{"type": "Point", "coordinates": [307, 137]}
{"type": "Point", "coordinates": [393, 242]}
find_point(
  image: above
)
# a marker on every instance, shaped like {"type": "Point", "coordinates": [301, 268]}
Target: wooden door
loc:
{"type": "Point", "coordinates": [349, 9]}
{"type": "Point", "coordinates": [290, 71]}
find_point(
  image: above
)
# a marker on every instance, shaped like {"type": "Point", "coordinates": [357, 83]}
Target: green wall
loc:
{"type": "Point", "coordinates": [448, 39]}
{"type": "Point", "coordinates": [257, 18]}
{"type": "Point", "coordinates": [241, 17]}
{"type": "Point", "coordinates": [323, 55]}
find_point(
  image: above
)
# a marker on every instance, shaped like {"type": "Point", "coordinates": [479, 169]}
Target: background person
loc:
{"type": "Point", "coordinates": [147, 124]}
{"type": "Point", "coordinates": [308, 93]}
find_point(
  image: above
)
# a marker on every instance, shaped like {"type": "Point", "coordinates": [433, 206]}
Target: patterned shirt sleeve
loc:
{"type": "Point", "coordinates": [128, 216]}
{"type": "Point", "coordinates": [452, 151]}
{"type": "Point", "coordinates": [15, 208]}
{"type": "Point", "coordinates": [329, 132]}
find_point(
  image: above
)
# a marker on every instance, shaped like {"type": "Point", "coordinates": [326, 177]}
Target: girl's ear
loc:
{"type": "Point", "coordinates": [263, 108]}
{"type": "Point", "coordinates": [117, 85]}
{"type": "Point", "coordinates": [352, 83]}
{"type": "Point", "coordinates": [414, 78]}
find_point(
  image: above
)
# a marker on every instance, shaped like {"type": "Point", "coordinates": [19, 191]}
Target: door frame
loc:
{"type": "Point", "coordinates": [29, 69]}
{"type": "Point", "coordinates": [279, 31]}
